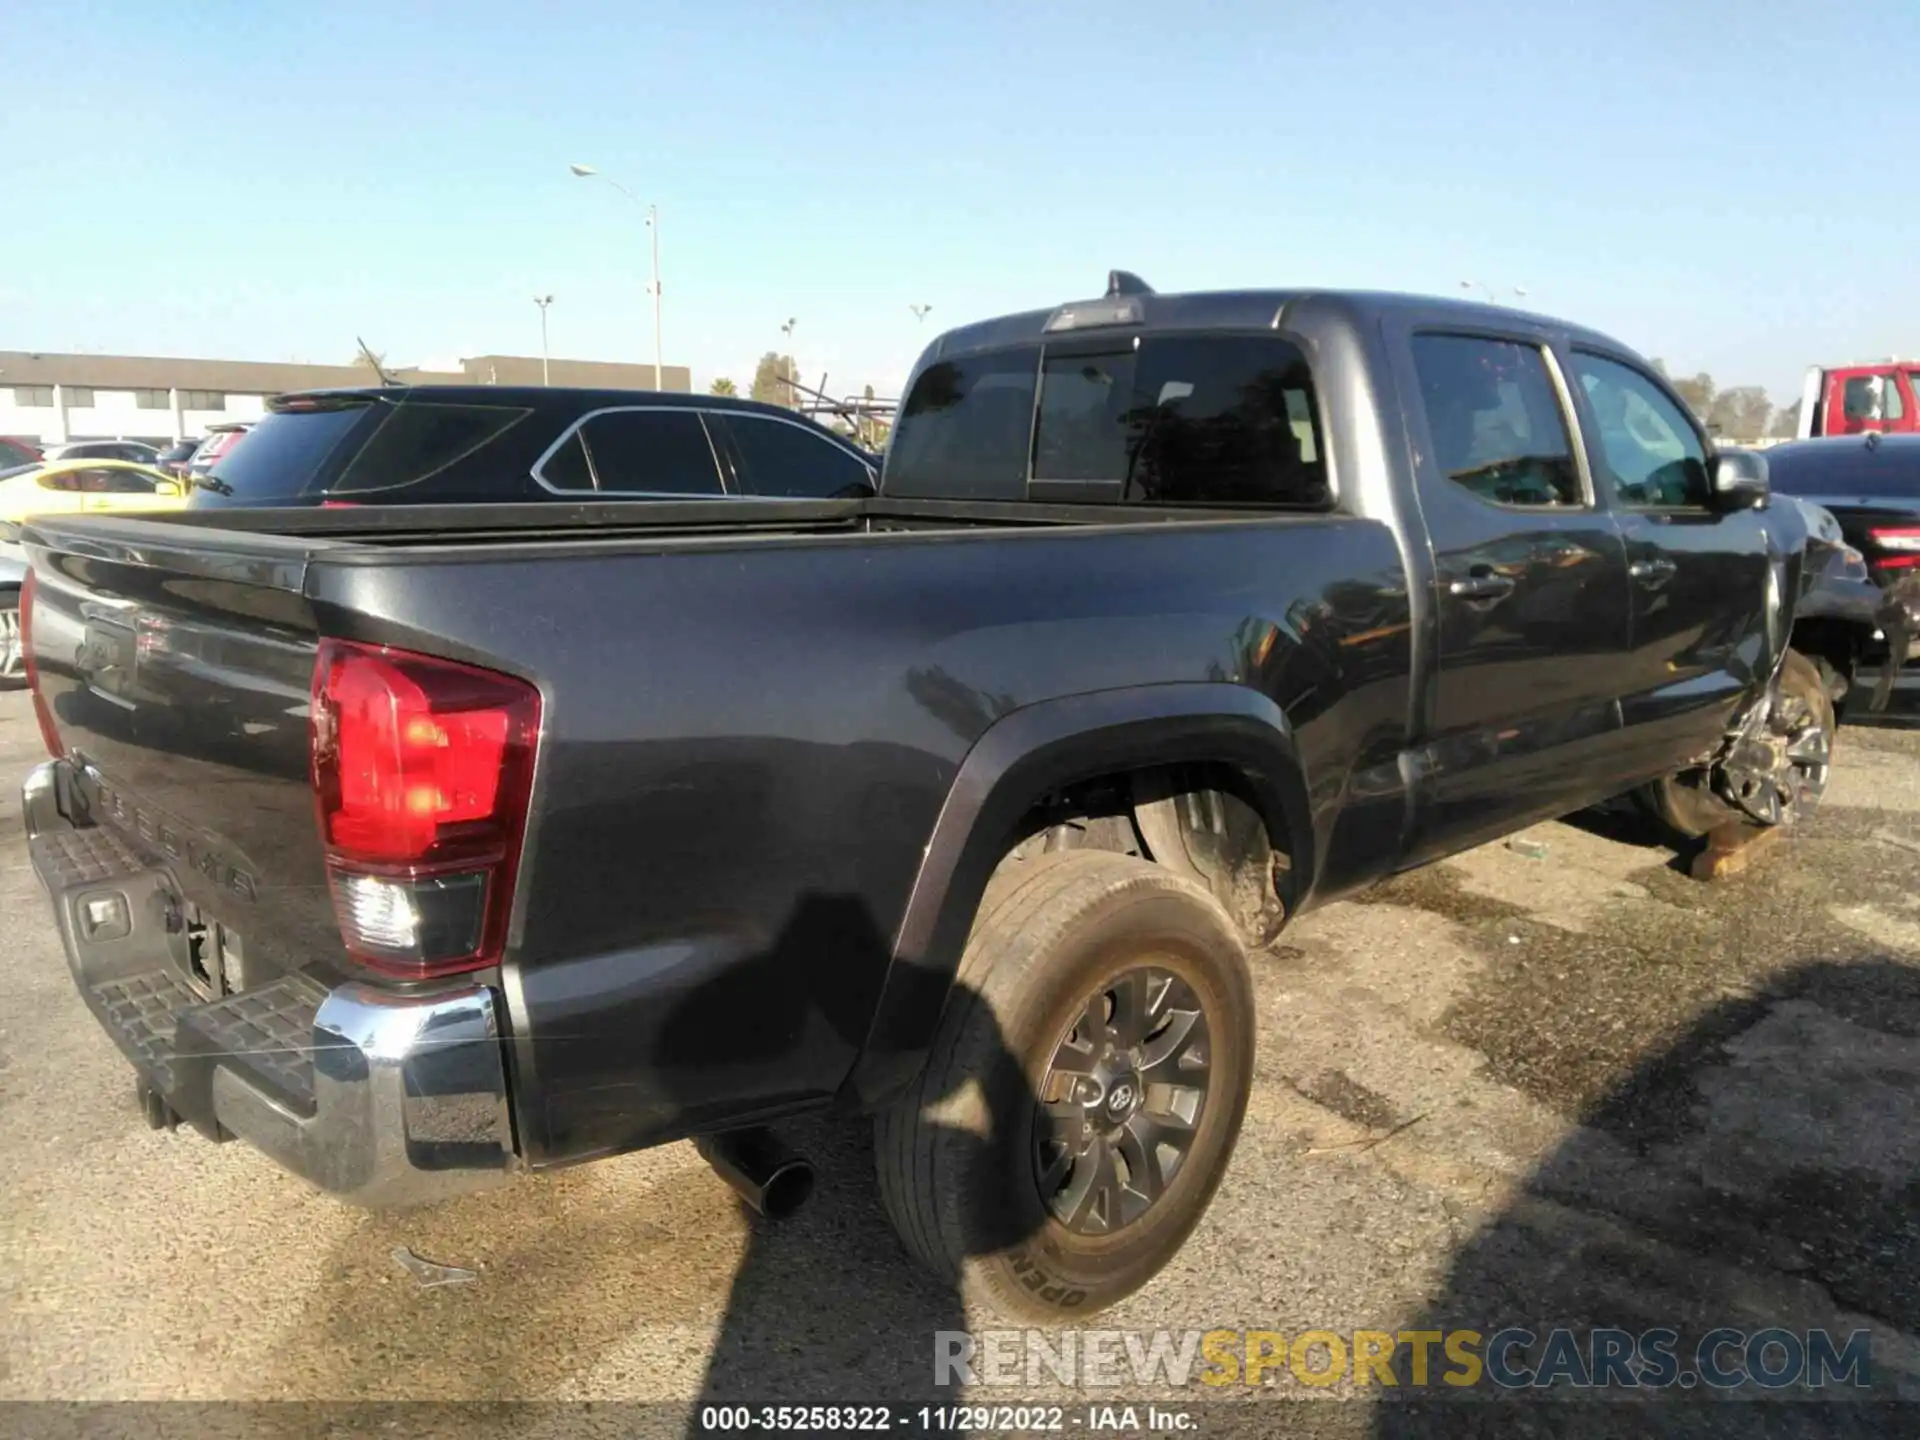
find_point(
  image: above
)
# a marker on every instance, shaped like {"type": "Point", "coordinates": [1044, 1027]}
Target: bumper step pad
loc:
{"type": "Point", "coordinates": [166, 1028]}
{"type": "Point", "coordinates": [140, 1010]}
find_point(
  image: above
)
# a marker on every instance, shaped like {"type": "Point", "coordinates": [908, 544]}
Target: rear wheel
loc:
{"type": "Point", "coordinates": [1084, 1089]}
{"type": "Point", "coordinates": [13, 663]}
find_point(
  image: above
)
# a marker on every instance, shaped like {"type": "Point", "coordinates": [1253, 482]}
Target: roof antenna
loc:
{"type": "Point", "coordinates": [374, 360]}
{"type": "Point", "coordinates": [1125, 282]}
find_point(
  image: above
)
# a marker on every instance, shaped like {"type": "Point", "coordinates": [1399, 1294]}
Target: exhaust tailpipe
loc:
{"type": "Point", "coordinates": [761, 1169]}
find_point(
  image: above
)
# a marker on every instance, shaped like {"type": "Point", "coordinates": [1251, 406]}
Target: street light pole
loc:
{"type": "Point", "coordinates": [543, 301]}
{"type": "Point", "coordinates": [793, 395]}
{"type": "Point", "coordinates": [920, 312]}
{"type": "Point", "coordinates": [659, 351]}
{"type": "Point", "coordinates": [587, 172]}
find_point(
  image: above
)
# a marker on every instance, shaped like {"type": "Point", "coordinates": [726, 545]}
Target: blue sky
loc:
{"type": "Point", "coordinates": [1729, 186]}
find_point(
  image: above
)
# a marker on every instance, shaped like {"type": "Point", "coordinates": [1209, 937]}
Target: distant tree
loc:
{"type": "Point", "coordinates": [1660, 367]}
{"type": "Point", "coordinates": [723, 386]}
{"type": "Point", "coordinates": [1698, 392]}
{"type": "Point", "coordinates": [1786, 422]}
{"type": "Point", "coordinates": [772, 379]}
{"type": "Point", "coordinates": [1741, 413]}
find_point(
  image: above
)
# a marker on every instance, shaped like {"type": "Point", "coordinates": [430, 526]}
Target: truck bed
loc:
{"type": "Point", "coordinates": [752, 715]}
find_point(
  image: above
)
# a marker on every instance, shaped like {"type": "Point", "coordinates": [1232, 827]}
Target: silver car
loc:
{"type": "Point", "coordinates": [13, 574]}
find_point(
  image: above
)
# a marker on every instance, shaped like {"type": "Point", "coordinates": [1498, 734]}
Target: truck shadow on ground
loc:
{"type": "Point", "coordinates": [1762, 1171]}
{"type": "Point", "coordinates": [586, 1286]}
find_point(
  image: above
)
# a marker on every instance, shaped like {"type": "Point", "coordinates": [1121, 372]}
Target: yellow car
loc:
{"type": "Point", "coordinates": [69, 486]}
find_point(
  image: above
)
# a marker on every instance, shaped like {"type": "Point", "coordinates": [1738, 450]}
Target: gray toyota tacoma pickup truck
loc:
{"type": "Point", "coordinates": [421, 846]}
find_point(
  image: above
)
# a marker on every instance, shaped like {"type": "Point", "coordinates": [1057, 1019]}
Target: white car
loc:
{"type": "Point", "coordinates": [137, 451]}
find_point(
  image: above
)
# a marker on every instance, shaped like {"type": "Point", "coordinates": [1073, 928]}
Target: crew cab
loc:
{"type": "Point", "coordinates": [489, 444]}
{"type": "Point", "coordinates": [1879, 397]}
{"type": "Point", "coordinates": [419, 845]}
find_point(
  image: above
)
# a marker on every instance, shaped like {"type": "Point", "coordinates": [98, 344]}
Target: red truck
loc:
{"type": "Point", "coordinates": [1855, 399]}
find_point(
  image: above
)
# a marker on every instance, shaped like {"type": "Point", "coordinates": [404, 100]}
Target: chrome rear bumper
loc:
{"type": "Point", "coordinates": [381, 1099]}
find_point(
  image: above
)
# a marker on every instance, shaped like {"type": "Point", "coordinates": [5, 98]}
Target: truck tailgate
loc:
{"type": "Point", "coordinates": [177, 681]}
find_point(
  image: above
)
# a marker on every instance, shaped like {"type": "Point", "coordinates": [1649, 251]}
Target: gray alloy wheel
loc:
{"type": "Point", "coordinates": [1120, 1101]}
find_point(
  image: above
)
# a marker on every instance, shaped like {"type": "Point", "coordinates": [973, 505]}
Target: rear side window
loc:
{"type": "Point", "coordinates": [279, 457]}
{"type": "Point", "coordinates": [636, 452]}
{"type": "Point", "coordinates": [780, 458]}
{"type": "Point", "coordinates": [1495, 420]}
{"type": "Point", "coordinates": [964, 428]}
{"type": "Point", "coordinates": [418, 440]}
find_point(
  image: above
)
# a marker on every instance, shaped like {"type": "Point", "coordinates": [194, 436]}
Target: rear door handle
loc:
{"type": "Point", "coordinates": [1651, 572]}
{"type": "Point", "coordinates": [1481, 583]}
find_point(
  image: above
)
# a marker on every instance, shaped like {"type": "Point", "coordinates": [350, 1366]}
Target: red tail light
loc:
{"type": "Point", "coordinates": [1899, 546]}
{"type": "Point", "coordinates": [49, 736]}
{"type": "Point", "coordinates": [422, 770]}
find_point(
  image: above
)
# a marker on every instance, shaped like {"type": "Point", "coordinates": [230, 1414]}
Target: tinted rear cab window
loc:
{"type": "Point", "coordinates": [1227, 420]}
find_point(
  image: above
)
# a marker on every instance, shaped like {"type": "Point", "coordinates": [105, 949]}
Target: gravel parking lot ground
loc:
{"type": "Point", "coordinates": [1609, 1095]}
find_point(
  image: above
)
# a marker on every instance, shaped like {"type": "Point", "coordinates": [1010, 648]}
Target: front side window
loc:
{"type": "Point", "coordinates": [1649, 452]}
{"type": "Point", "coordinates": [108, 481]}
{"type": "Point", "coordinates": [963, 431]}
{"type": "Point", "coordinates": [779, 458]}
{"type": "Point", "coordinates": [636, 452]}
{"type": "Point", "coordinates": [1860, 398]}
{"type": "Point", "coordinates": [1495, 421]}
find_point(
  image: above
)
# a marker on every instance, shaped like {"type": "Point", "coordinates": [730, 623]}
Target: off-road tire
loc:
{"type": "Point", "coordinates": [954, 1152]}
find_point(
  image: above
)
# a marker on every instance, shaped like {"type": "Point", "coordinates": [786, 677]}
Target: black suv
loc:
{"type": "Point", "coordinates": [441, 444]}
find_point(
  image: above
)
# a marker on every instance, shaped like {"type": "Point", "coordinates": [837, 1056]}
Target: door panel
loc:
{"type": "Point", "coordinates": [1698, 578]}
{"type": "Point", "coordinates": [1532, 596]}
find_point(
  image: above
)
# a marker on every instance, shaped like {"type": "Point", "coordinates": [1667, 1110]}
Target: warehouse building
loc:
{"type": "Point", "coordinates": [49, 399]}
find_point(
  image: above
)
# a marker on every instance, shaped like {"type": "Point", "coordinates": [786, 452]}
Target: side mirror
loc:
{"type": "Point", "coordinates": [168, 487]}
{"type": "Point", "coordinates": [1739, 480]}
